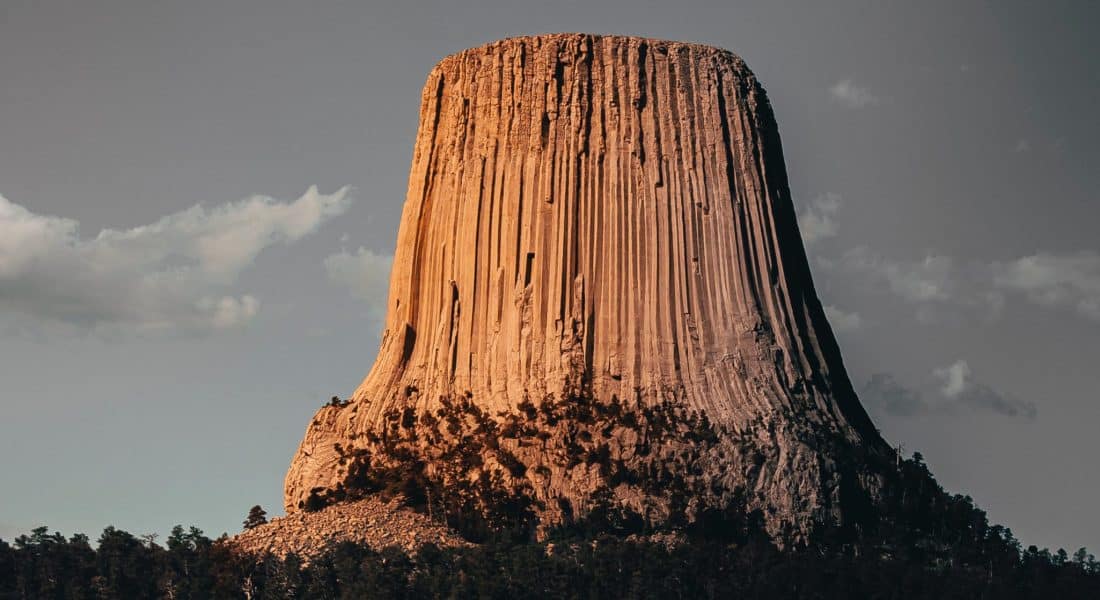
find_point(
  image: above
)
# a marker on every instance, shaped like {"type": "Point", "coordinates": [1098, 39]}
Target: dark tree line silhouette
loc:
{"type": "Point", "coordinates": [914, 540]}
{"type": "Point", "coordinates": [572, 564]}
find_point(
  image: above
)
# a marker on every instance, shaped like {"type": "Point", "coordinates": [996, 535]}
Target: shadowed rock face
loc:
{"type": "Point", "coordinates": [606, 217]}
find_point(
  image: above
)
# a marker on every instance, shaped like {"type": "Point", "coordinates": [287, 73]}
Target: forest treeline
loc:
{"type": "Point", "coordinates": [935, 545]}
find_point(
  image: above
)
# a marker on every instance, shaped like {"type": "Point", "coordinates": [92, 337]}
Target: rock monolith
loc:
{"type": "Point", "coordinates": [603, 221]}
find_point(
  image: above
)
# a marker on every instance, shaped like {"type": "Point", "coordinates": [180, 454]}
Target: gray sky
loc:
{"type": "Point", "coordinates": [160, 361]}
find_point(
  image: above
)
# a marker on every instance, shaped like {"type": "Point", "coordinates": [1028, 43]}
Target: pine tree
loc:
{"type": "Point", "coordinates": [256, 516]}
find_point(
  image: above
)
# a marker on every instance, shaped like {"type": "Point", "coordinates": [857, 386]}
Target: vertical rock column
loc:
{"type": "Point", "coordinates": [597, 215]}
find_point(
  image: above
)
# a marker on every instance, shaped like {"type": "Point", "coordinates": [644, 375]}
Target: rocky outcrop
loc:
{"type": "Point", "coordinates": [371, 522]}
{"type": "Point", "coordinates": [604, 219]}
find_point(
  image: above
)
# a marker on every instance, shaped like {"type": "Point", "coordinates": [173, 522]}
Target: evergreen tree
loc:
{"type": "Point", "coordinates": [256, 516]}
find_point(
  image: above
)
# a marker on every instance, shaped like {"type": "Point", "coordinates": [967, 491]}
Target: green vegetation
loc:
{"type": "Point", "coordinates": [902, 535]}
{"type": "Point", "coordinates": [478, 474]}
{"type": "Point", "coordinates": [256, 516]}
{"type": "Point", "coordinates": [938, 559]}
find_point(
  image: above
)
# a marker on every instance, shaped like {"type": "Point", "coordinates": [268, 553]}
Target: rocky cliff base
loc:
{"type": "Point", "coordinates": [371, 522]}
{"type": "Point", "coordinates": [577, 462]}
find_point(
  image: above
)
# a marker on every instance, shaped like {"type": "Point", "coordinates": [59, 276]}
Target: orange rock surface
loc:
{"type": "Point", "coordinates": [607, 216]}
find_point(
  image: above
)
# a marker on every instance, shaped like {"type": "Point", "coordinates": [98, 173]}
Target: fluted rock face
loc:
{"type": "Point", "coordinates": [604, 217]}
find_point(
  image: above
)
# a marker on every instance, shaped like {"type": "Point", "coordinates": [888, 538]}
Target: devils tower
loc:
{"type": "Point", "coordinates": [599, 295]}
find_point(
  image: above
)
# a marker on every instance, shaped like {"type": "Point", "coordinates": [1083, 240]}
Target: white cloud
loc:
{"type": "Point", "coordinates": [957, 392]}
{"type": "Point", "coordinates": [960, 389]}
{"type": "Point", "coordinates": [228, 311]}
{"type": "Point", "coordinates": [1022, 145]}
{"type": "Point", "coordinates": [169, 275]}
{"type": "Point", "coordinates": [954, 378]}
{"type": "Point", "coordinates": [1057, 281]}
{"type": "Point", "coordinates": [841, 320]}
{"type": "Point", "coordinates": [851, 95]}
{"type": "Point", "coordinates": [1064, 281]}
{"type": "Point", "coordinates": [365, 273]}
{"type": "Point", "coordinates": [929, 279]}
{"type": "Point", "coordinates": [923, 280]}
{"type": "Point", "coordinates": [816, 220]}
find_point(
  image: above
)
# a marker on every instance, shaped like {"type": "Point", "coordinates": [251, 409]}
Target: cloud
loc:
{"type": "Point", "coordinates": [929, 279]}
{"type": "Point", "coordinates": [842, 320]}
{"type": "Point", "coordinates": [923, 280]}
{"type": "Point", "coordinates": [851, 95]}
{"type": "Point", "coordinates": [1056, 281]}
{"type": "Point", "coordinates": [816, 221]}
{"type": "Point", "coordinates": [883, 393]}
{"type": "Point", "coordinates": [173, 274]}
{"type": "Point", "coordinates": [954, 378]}
{"type": "Point", "coordinates": [1022, 145]}
{"type": "Point", "coordinates": [1061, 281]}
{"type": "Point", "coordinates": [956, 392]}
{"type": "Point", "coordinates": [958, 386]}
{"type": "Point", "coordinates": [365, 273]}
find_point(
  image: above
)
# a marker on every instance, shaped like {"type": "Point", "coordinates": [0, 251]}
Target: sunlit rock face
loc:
{"type": "Point", "coordinates": [607, 218]}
